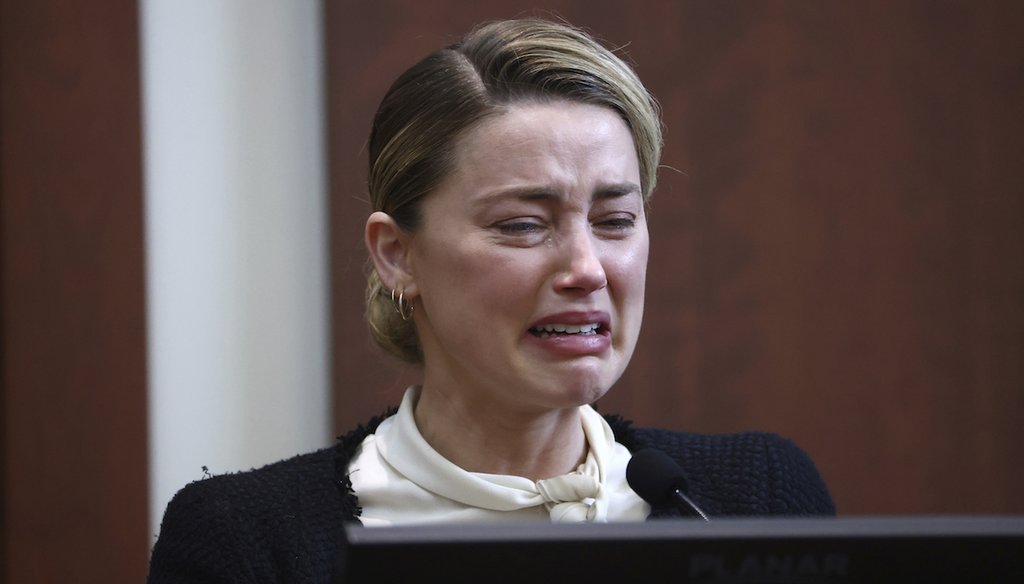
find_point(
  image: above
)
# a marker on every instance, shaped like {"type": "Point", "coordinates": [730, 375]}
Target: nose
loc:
{"type": "Point", "coordinates": [582, 270]}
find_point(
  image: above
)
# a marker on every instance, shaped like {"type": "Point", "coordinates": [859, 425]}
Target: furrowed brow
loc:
{"type": "Point", "coordinates": [616, 190]}
{"type": "Point", "coordinates": [543, 194]}
{"type": "Point", "coordinates": [526, 193]}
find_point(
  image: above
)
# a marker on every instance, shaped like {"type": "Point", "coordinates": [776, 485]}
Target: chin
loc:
{"type": "Point", "coordinates": [576, 384]}
{"type": "Point", "coordinates": [584, 391]}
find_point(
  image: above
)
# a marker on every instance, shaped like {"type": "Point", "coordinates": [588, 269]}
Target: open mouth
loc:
{"type": "Point", "coordinates": [556, 330]}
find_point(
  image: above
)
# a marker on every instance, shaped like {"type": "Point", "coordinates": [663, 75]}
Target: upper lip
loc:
{"type": "Point", "coordinates": [599, 317]}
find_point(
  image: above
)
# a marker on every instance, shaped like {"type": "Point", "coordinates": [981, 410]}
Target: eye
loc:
{"type": "Point", "coordinates": [619, 222]}
{"type": "Point", "coordinates": [520, 227]}
{"type": "Point", "coordinates": [616, 222]}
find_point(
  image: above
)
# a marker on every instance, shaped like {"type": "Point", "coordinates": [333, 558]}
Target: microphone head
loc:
{"type": "Point", "coordinates": [655, 477]}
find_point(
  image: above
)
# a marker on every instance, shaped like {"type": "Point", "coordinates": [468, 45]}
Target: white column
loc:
{"type": "Point", "coordinates": [236, 224]}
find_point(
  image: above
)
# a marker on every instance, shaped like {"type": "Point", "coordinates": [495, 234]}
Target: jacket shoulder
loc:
{"type": "Point", "coordinates": [282, 518]}
{"type": "Point", "coordinates": [748, 473]}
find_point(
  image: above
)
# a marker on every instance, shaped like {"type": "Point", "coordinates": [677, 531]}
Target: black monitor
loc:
{"type": "Point", "coordinates": [897, 549]}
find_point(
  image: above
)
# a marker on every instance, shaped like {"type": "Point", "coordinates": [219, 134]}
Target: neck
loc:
{"type": "Point", "coordinates": [494, 440]}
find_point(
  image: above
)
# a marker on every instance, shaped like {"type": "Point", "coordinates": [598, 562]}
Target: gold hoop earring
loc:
{"type": "Point", "coordinates": [402, 306]}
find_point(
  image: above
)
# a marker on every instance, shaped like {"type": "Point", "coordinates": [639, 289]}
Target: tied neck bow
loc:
{"type": "Point", "coordinates": [572, 497]}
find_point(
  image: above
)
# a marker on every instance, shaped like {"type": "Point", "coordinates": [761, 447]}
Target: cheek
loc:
{"type": "Point", "coordinates": [509, 281]}
{"type": "Point", "coordinates": [628, 270]}
{"type": "Point", "coordinates": [482, 280]}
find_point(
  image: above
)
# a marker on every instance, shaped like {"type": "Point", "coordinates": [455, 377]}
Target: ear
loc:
{"type": "Point", "coordinates": [390, 248]}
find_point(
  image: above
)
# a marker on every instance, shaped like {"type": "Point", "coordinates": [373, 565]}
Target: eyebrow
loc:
{"type": "Point", "coordinates": [541, 193]}
{"type": "Point", "coordinates": [615, 190]}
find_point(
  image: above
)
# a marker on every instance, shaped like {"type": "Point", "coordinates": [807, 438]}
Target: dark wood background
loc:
{"type": "Point", "coordinates": [836, 240]}
{"type": "Point", "coordinates": [73, 481]}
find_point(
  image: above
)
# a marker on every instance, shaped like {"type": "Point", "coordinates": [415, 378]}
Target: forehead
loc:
{"type": "Point", "coordinates": [537, 123]}
{"type": "Point", "coordinates": [564, 145]}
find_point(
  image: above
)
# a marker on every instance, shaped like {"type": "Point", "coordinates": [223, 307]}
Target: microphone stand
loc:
{"type": "Point", "coordinates": [687, 505]}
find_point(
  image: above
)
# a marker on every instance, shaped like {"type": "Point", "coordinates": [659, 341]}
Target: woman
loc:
{"type": "Point", "coordinates": [509, 176]}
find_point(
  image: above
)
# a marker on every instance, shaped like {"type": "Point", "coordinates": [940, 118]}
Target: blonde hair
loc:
{"type": "Point", "coordinates": [433, 103]}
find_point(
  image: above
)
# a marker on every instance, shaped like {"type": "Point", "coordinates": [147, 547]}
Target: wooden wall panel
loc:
{"type": "Point", "coordinates": [836, 237]}
{"type": "Point", "coordinates": [74, 476]}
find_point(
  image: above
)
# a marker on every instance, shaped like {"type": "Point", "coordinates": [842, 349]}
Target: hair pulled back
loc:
{"type": "Point", "coordinates": [437, 100]}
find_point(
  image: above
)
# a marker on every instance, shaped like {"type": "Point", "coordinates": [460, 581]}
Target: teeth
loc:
{"type": "Point", "coordinates": [569, 329]}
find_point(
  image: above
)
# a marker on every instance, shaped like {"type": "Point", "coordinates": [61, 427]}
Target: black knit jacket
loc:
{"type": "Point", "coordinates": [284, 522]}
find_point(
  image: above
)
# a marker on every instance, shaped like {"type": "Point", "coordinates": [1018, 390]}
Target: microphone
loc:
{"type": "Point", "coordinates": [660, 481]}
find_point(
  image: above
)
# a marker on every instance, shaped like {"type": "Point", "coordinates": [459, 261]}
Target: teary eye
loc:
{"type": "Point", "coordinates": [619, 222]}
{"type": "Point", "coordinates": [519, 227]}
{"type": "Point", "coordinates": [616, 222]}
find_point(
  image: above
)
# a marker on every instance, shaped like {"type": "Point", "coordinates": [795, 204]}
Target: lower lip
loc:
{"type": "Point", "coordinates": [573, 345]}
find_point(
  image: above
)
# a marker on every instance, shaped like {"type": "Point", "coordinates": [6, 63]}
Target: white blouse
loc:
{"type": "Point", "coordinates": [400, 479]}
